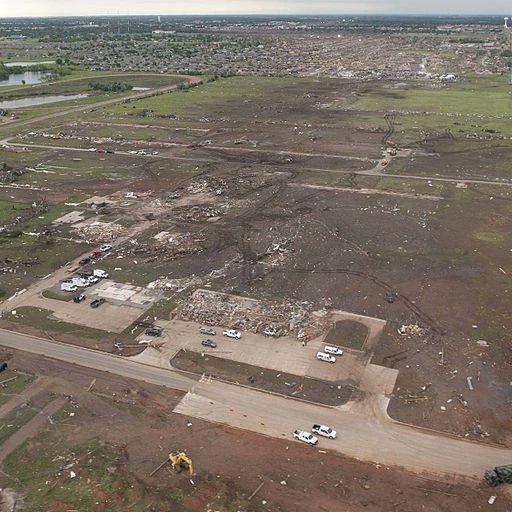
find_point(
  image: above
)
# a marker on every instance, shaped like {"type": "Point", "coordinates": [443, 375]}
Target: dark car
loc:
{"type": "Point", "coordinates": [97, 302]}
{"type": "Point", "coordinates": [390, 297]}
{"type": "Point", "coordinates": [207, 330]}
{"type": "Point", "coordinates": [3, 366]}
{"type": "Point", "coordinates": [84, 261]}
{"type": "Point", "coordinates": [153, 331]}
{"type": "Point", "coordinates": [209, 343]}
{"type": "Point", "coordinates": [79, 298]}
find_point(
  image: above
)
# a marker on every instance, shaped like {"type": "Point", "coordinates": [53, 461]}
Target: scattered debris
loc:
{"type": "Point", "coordinates": [256, 491]}
{"type": "Point", "coordinates": [411, 330]}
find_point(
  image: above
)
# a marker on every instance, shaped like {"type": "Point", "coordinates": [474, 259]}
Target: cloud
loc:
{"type": "Point", "coordinates": [113, 7]}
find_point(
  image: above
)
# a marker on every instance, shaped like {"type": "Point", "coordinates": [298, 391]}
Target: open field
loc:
{"type": "Point", "coordinates": [288, 197]}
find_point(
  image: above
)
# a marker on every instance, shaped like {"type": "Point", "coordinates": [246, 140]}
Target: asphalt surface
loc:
{"type": "Point", "coordinates": [97, 360]}
{"type": "Point", "coordinates": [368, 438]}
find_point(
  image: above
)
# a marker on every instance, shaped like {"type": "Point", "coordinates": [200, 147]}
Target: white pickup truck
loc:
{"type": "Point", "coordinates": [324, 430]}
{"type": "Point", "coordinates": [305, 437]}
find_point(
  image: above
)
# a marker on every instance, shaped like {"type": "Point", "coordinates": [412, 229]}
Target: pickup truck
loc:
{"type": "Point", "coordinates": [305, 437]}
{"type": "Point", "coordinates": [324, 430]}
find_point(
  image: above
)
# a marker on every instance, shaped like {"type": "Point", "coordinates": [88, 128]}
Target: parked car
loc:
{"type": "Point", "coordinates": [68, 287]}
{"type": "Point", "coordinates": [106, 247]}
{"type": "Point", "coordinates": [153, 331]}
{"type": "Point", "coordinates": [329, 349]}
{"type": "Point", "coordinates": [79, 298]}
{"type": "Point", "coordinates": [3, 366]}
{"type": "Point", "coordinates": [80, 282]}
{"type": "Point", "coordinates": [92, 279]}
{"type": "Point", "coordinates": [97, 302]}
{"type": "Point", "coordinates": [208, 343]}
{"type": "Point", "coordinates": [100, 273]}
{"type": "Point", "coordinates": [84, 261]}
{"type": "Point", "coordinates": [324, 430]}
{"type": "Point", "coordinates": [231, 333]}
{"type": "Point", "coordinates": [305, 437]}
{"type": "Point", "coordinates": [207, 330]}
{"type": "Point", "coordinates": [322, 356]}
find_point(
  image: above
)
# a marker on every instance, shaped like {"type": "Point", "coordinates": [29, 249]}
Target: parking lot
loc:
{"type": "Point", "coordinates": [108, 317]}
{"type": "Point", "coordinates": [282, 354]}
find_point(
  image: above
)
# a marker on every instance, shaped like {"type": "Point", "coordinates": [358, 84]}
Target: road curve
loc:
{"type": "Point", "coordinates": [104, 103]}
{"type": "Point", "coordinates": [368, 439]}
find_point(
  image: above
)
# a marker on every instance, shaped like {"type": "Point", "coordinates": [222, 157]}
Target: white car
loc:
{"type": "Point", "coordinates": [322, 356]}
{"type": "Point", "coordinates": [305, 437]}
{"type": "Point", "coordinates": [324, 430]}
{"type": "Point", "coordinates": [97, 272]}
{"type": "Point", "coordinates": [106, 247]}
{"type": "Point", "coordinates": [92, 279]}
{"type": "Point", "coordinates": [329, 349]}
{"type": "Point", "coordinates": [231, 333]}
{"type": "Point", "coordinates": [80, 282]}
{"type": "Point", "coordinates": [68, 287]}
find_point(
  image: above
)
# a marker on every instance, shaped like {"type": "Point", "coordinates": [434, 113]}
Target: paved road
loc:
{"type": "Point", "coordinates": [97, 360]}
{"type": "Point", "coordinates": [366, 438]}
{"type": "Point", "coordinates": [89, 106]}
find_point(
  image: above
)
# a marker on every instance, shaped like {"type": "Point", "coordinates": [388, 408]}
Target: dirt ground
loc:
{"type": "Point", "coordinates": [134, 428]}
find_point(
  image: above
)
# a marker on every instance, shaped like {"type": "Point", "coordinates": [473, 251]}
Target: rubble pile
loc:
{"type": "Point", "coordinates": [196, 213]}
{"type": "Point", "coordinates": [276, 253]}
{"type": "Point", "coordinates": [177, 284]}
{"type": "Point", "coordinates": [164, 246]}
{"type": "Point", "coordinates": [275, 319]}
{"type": "Point", "coordinates": [208, 184]}
{"type": "Point", "coordinates": [10, 175]}
{"type": "Point", "coordinates": [99, 232]}
{"type": "Point", "coordinates": [411, 330]}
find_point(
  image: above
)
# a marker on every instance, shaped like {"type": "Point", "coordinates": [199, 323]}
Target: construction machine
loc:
{"type": "Point", "coordinates": [180, 461]}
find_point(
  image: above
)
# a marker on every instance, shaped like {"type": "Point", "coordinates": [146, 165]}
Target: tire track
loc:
{"type": "Point", "coordinates": [411, 306]}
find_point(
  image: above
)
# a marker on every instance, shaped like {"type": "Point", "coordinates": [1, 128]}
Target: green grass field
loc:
{"type": "Point", "coordinates": [40, 319]}
{"type": "Point", "coordinates": [14, 387]}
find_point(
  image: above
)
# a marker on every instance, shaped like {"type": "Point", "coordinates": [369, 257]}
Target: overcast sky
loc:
{"type": "Point", "coordinates": [94, 7]}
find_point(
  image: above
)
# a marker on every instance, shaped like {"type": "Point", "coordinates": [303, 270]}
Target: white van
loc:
{"type": "Point", "coordinates": [322, 356]}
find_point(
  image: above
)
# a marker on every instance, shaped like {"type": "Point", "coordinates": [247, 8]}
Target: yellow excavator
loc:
{"type": "Point", "coordinates": [180, 462]}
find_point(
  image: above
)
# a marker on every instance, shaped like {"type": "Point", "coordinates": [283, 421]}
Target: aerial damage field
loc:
{"type": "Point", "coordinates": [296, 200]}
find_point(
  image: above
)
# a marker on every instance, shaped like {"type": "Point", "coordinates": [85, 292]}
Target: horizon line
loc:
{"type": "Point", "coordinates": [106, 15]}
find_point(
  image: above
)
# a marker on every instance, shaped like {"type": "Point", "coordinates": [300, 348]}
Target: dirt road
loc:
{"type": "Point", "coordinates": [375, 438]}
